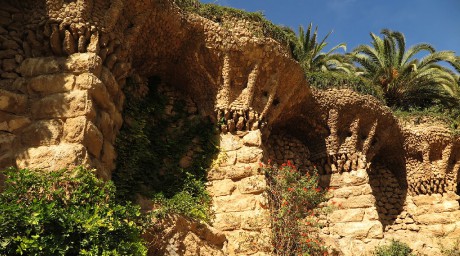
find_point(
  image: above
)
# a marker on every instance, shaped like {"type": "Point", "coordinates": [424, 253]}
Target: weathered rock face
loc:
{"type": "Point", "coordinates": [175, 235]}
{"type": "Point", "coordinates": [63, 65]}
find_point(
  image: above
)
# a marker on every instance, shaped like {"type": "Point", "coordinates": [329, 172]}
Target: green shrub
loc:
{"type": "Point", "coordinates": [65, 213]}
{"type": "Point", "coordinates": [449, 117]}
{"type": "Point", "coordinates": [328, 80]}
{"type": "Point", "coordinates": [396, 248]}
{"type": "Point", "coordinates": [293, 198]}
{"type": "Point", "coordinates": [149, 151]}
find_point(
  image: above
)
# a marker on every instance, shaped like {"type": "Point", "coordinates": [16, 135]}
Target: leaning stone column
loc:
{"type": "Point", "coordinates": [73, 118]}
{"type": "Point", "coordinates": [62, 68]}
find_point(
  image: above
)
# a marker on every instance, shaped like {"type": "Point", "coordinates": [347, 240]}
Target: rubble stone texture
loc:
{"type": "Point", "coordinates": [63, 65]}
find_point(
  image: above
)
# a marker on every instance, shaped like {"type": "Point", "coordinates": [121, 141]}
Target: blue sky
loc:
{"type": "Point", "coordinates": [436, 22]}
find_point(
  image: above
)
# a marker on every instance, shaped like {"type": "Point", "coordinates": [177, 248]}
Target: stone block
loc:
{"type": "Point", "coordinates": [371, 214]}
{"type": "Point", "coordinates": [9, 75]}
{"type": "Point", "coordinates": [11, 123]}
{"type": "Point", "coordinates": [42, 133]}
{"type": "Point", "coordinates": [363, 201]}
{"type": "Point", "coordinates": [253, 139]}
{"type": "Point", "coordinates": [83, 63]}
{"type": "Point", "coordinates": [222, 187]}
{"type": "Point", "coordinates": [216, 174]}
{"type": "Point", "coordinates": [229, 142]}
{"type": "Point", "coordinates": [74, 129]}
{"type": "Point", "coordinates": [39, 66]}
{"type": "Point", "coordinates": [345, 192]}
{"type": "Point", "coordinates": [255, 220]}
{"type": "Point", "coordinates": [97, 90]}
{"type": "Point", "coordinates": [252, 185]}
{"type": "Point", "coordinates": [9, 53]}
{"type": "Point", "coordinates": [433, 218]}
{"type": "Point", "coordinates": [353, 178]}
{"type": "Point", "coordinates": [435, 230]}
{"type": "Point", "coordinates": [444, 206]}
{"type": "Point", "coordinates": [49, 84]}
{"type": "Point", "coordinates": [226, 158]}
{"type": "Point", "coordinates": [93, 139]}
{"type": "Point", "coordinates": [348, 215]}
{"type": "Point", "coordinates": [426, 199]}
{"type": "Point", "coordinates": [235, 203]}
{"type": "Point", "coordinates": [359, 230]}
{"type": "Point", "coordinates": [228, 221]}
{"type": "Point", "coordinates": [53, 157]}
{"type": "Point", "coordinates": [13, 102]}
{"type": "Point", "coordinates": [447, 206]}
{"type": "Point", "coordinates": [8, 44]}
{"type": "Point", "coordinates": [248, 243]}
{"type": "Point", "coordinates": [110, 82]}
{"type": "Point", "coordinates": [240, 171]}
{"type": "Point", "coordinates": [62, 105]}
{"type": "Point", "coordinates": [19, 84]}
{"type": "Point", "coordinates": [249, 155]}
{"type": "Point", "coordinates": [9, 65]}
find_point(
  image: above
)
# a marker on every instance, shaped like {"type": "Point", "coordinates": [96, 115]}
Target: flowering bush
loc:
{"type": "Point", "coordinates": [293, 198]}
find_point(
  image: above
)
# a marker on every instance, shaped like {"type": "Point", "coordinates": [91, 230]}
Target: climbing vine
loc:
{"type": "Point", "coordinates": [152, 142]}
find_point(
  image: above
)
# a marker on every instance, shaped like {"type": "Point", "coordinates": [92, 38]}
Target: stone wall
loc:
{"type": "Point", "coordinates": [68, 116]}
{"type": "Point", "coordinates": [61, 99]}
{"type": "Point", "coordinates": [63, 65]}
{"type": "Point", "coordinates": [237, 188]}
{"type": "Point", "coordinates": [175, 235]}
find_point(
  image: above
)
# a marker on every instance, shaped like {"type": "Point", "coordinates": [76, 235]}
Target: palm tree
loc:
{"type": "Point", "coordinates": [405, 80]}
{"type": "Point", "coordinates": [307, 51]}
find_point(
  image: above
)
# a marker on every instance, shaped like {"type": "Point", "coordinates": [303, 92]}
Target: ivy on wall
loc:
{"type": "Point", "coordinates": [150, 146]}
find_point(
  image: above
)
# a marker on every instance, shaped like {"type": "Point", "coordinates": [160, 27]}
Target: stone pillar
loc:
{"type": "Point", "coordinates": [354, 221]}
{"type": "Point", "coordinates": [237, 186]}
{"type": "Point", "coordinates": [67, 115]}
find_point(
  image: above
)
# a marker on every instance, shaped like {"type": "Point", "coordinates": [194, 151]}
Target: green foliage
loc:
{"type": "Point", "coordinates": [65, 213]}
{"type": "Point", "coordinates": [293, 198]}
{"type": "Point", "coordinates": [308, 51]}
{"type": "Point", "coordinates": [396, 248]}
{"type": "Point", "coordinates": [327, 80]}
{"type": "Point", "coordinates": [217, 13]}
{"type": "Point", "coordinates": [448, 116]}
{"type": "Point", "coordinates": [407, 81]}
{"type": "Point", "coordinates": [150, 148]}
{"type": "Point", "coordinates": [193, 201]}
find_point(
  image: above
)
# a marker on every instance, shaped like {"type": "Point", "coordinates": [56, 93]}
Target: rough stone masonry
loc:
{"type": "Point", "coordinates": [63, 65]}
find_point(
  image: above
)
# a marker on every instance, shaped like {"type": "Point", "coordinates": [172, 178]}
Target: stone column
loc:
{"type": "Point", "coordinates": [237, 186]}
{"type": "Point", "coordinates": [68, 114]}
